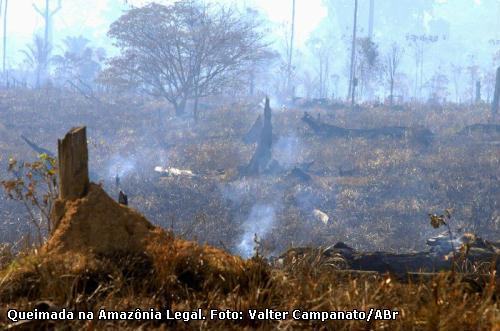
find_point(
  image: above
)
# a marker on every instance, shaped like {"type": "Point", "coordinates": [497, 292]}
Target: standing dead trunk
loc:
{"type": "Point", "coordinates": [391, 96]}
{"type": "Point", "coordinates": [289, 88]}
{"type": "Point", "coordinates": [263, 154]}
{"type": "Point", "coordinates": [478, 91]}
{"type": "Point", "coordinates": [180, 108]}
{"type": "Point", "coordinates": [122, 198]}
{"type": "Point", "coordinates": [496, 96]}
{"type": "Point", "coordinates": [73, 164]}
{"type": "Point", "coordinates": [370, 19]}
{"type": "Point", "coordinates": [196, 113]}
{"type": "Point", "coordinates": [5, 14]}
{"type": "Point", "coordinates": [353, 52]}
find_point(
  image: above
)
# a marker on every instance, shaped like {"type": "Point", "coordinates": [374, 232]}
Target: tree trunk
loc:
{"type": "Point", "coordinates": [353, 52]}
{"type": "Point", "coordinates": [263, 154]}
{"type": "Point", "coordinates": [73, 164]}
{"type": "Point", "coordinates": [289, 69]}
{"type": "Point", "coordinates": [496, 96]}
{"type": "Point", "coordinates": [354, 84]}
{"type": "Point", "coordinates": [196, 114]}
{"type": "Point", "coordinates": [478, 91]}
{"type": "Point", "coordinates": [370, 19]}
{"type": "Point", "coordinates": [5, 13]}
{"type": "Point", "coordinates": [252, 82]}
{"type": "Point", "coordinates": [180, 108]}
{"type": "Point", "coordinates": [391, 97]}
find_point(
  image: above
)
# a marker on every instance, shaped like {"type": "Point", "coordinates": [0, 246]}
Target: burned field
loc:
{"type": "Point", "coordinates": [309, 204]}
{"type": "Point", "coordinates": [376, 188]}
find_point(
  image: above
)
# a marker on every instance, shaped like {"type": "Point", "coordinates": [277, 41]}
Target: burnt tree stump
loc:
{"type": "Point", "coordinates": [122, 198]}
{"type": "Point", "coordinates": [73, 164]}
{"type": "Point", "coordinates": [263, 154]}
{"type": "Point", "coordinates": [496, 96]}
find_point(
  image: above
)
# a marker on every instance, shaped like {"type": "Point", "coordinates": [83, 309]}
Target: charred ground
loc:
{"type": "Point", "coordinates": [377, 192]}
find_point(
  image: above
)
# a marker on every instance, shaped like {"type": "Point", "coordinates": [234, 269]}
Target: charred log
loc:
{"type": "Point", "coordinates": [489, 129]}
{"type": "Point", "coordinates": [479, 251]}
{"type": "Point", "coordinates": [122, 198]}
{"type": "Point", "coordinates": [324, 129]}
{"type": "Point", "coordinates": [420, 135]}
{"type": "Point", "coordinates": [300, 174]}
{"type": "Point", "coordinates": [36, 148]}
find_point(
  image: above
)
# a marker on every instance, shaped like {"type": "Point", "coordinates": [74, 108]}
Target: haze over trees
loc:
{"type": "Point", "coordinates": [234, 47]}
{"type": "Point", "coordinates": [184, 51]}
{"type": "Point", "coordinates": [215, 153]}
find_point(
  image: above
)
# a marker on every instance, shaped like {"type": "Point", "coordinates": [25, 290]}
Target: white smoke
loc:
{"type": "Point", "coordinates": [121, 166]}
{"type": "Point", "coordinates": [259, 223]}
{"type": "Point", "coordinates": [287, 150]}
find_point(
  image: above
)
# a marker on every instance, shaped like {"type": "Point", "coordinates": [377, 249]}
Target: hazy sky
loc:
{"type": "Point", "coordinates": [92, 18]}
{"type": "Point", "coordinates": [472, 28]}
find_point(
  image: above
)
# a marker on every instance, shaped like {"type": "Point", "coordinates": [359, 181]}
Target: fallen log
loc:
{"type": "Point", "coordinates": [36, 148]}
{"type": "Point", "coordinates": [489, 129]}
{"type": "Point", "coordinates": [383, 262]}
{"type": "Point", "coordinates": [300, 174]}
{"type": "Point", "coordinates": [420, 135]}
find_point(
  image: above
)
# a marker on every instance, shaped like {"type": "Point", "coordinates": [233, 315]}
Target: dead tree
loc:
{"type": "Point", "coordinates": [5, 12]}
{"type": "Point", "coordinates": [289, 67]}
{"type": "Point", "coordinates": [73, 164]}
{"type": "Point", "coordinates": [352, 77]}
{"type": "Point", "coordinates": [36, 148]}
{"type": "Point", "coordinates": [324, 129]}
{"type": "Point", "coordinates": [252, 136]}
{"type": "Point", "coordinates": [263, 154]}
{"type": "Point", "coordinates": [496, 96]}
{"type": "Point", "coordinates": [478, 91]}
{"type": "Point", "coordinates": [122, 198]}
{"type": "Point", "coordinates": [48, 16]}
{"type": "Point", "coordinates": [488, 129]}
{"type": "Point", "coordinates": [370, 19]}
{"type": "Point", "coordinates": [420, 135]}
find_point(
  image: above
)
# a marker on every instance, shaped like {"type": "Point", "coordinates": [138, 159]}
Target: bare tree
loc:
{"type": "Point", "coordinates": [496, 95]}
{"type": "Point", "coordinates": [352, 79]}
{"type": "Point", "coordinates": [456, 72]}
{"type": "Point", "coordinates": [290, 54]}
{"type": "Point", "coordinates": [419, 44]}
{"type": "Point", "coordinates": [183, 51]}
{"type": "Point", "coordinates": [371, 15]}
{"type": "Point", "coordinates": [438, 87]}
{"type": "Point", "coordinates": [473, 70]}
{"type": "Point", "coordinates": [367, 65]}
{"type": "Point", "coordinates": [5, 15]}
{"type": "Point", "coordinates": [321, 52]}
{"type": "Point", "coordinates": [48, 16]}
{"type": "Point", "coordinates": [392, 61]}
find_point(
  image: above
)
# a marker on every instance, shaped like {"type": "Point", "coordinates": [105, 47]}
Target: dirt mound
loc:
{"type": "Point", "coordinates": [98, 224]}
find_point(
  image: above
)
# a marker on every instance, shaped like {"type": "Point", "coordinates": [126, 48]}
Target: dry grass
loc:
{"type": "Point", "coordinates": [382, 205]}
{"type": "Point", "coordinates": [172, 276]}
